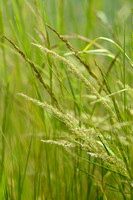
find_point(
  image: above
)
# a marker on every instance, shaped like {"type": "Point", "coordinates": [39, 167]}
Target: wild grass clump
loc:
{"type": "Point", "coordinates": [66, 101]}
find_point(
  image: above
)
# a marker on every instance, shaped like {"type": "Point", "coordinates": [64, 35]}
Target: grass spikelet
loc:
{"type": "Point", "coordinates": [59, 143]}
{"type": "Point", "coordinates": [76, 54]}
{"type": "Point", "coordinates": [39, 76]}
{"type": "Point", "coordinates": [77, 73]}
{"type": "Point", "coordinates": [88, 144]}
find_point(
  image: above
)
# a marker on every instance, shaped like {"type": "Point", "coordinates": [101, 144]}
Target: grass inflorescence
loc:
{"type": "Point", "coordinates": [66, 122]}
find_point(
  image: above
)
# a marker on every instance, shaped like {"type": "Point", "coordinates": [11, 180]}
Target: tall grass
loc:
{"type": "Point", "coordinates": [66, 99]}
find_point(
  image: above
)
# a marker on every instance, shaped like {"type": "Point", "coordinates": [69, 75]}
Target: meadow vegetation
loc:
{"type": "Point", "coordinates": [66, 93]}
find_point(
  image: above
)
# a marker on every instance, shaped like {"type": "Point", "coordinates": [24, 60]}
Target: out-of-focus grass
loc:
{"type": "Point", "coordinates": [31, 169]}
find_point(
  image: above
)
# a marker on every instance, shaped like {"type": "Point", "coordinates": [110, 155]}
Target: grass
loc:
{"type": "Point", "coordinates": [66, 122]}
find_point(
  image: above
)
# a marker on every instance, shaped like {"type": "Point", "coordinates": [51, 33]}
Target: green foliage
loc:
{"type": "Point", "coordinates": [66, 122]}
